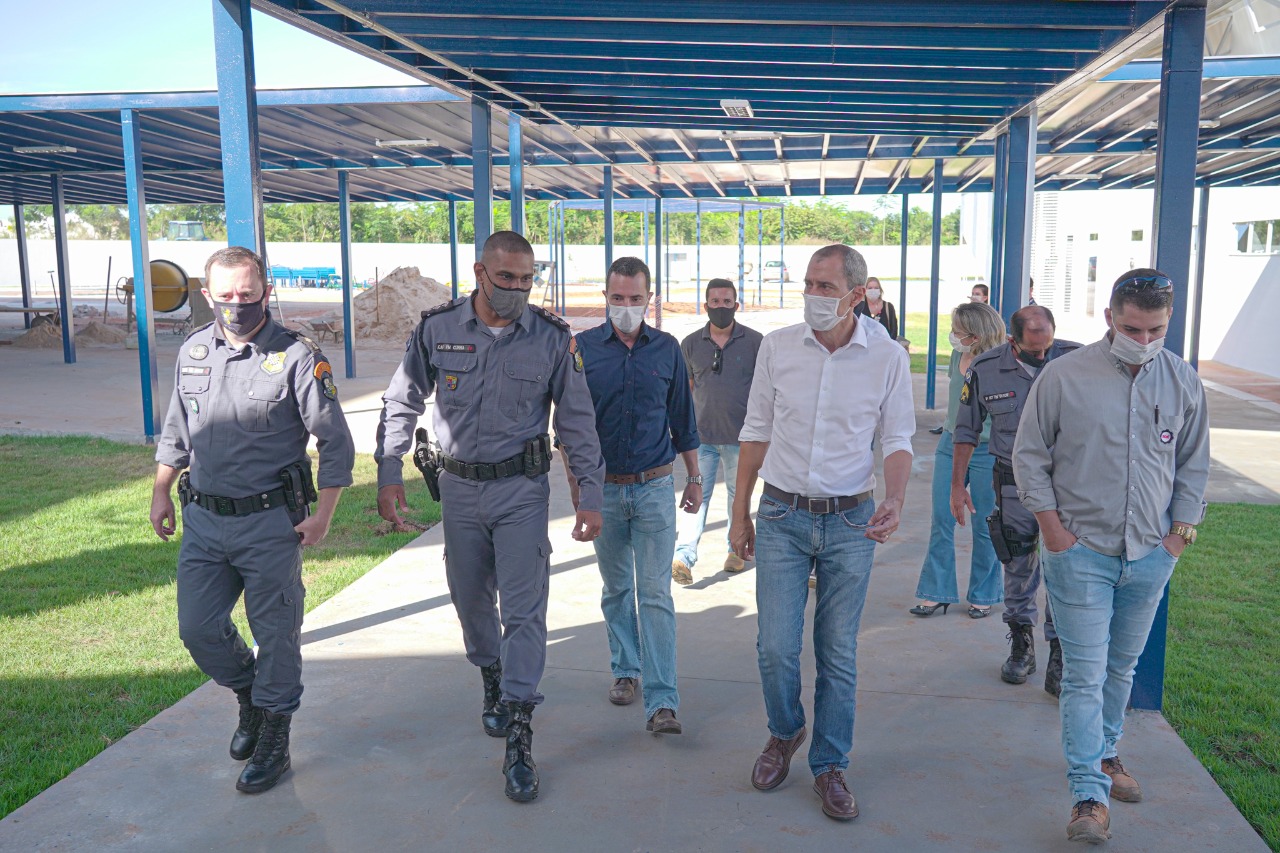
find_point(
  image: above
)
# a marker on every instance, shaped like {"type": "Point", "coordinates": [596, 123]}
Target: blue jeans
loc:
{"type": "Point", "coordinates": [1103, 608]}
{"type": "Point", "coordinates": [790, 542]}
{"type": "Point", "coordinates": [634, 554]}
{"type": "Point", "coordinates": [938, 574]}
{"type": "Point", "coordinates": [709, 458]}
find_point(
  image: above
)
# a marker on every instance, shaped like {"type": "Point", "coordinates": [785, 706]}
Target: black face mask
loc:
{"type": "Point", "coordinates": [721, 318]}
{"type": "Point", "coordinates": [1033, 361]}
{"type": "Point", "coordinates": [240, 318]}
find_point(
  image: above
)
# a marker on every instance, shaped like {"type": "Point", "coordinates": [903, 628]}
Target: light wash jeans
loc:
{"type": "Point", "coordinates": [691, 526]}
{"type": "Point", "coordinates": [634, 551]}
{"type": "Point", "coordinates": [1103, 608]}
{"type": "Point", "coordinates": [938, 574]}
{"type": "Point", "coordinates": [790, 542]}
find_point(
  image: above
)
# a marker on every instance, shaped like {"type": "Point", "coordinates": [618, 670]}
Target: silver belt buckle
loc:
{"type": "Point", "coordinates": [824, 502]}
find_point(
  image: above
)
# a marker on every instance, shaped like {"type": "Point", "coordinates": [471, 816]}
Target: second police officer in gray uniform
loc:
{"type": "Point", "coordinates": [997, 385]}
{"type": "Point", "coordinates": [495, 365]}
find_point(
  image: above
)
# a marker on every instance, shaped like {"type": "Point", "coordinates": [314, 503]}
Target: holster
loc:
{"type": "Point", "coordinates": [1014, 544]}
{"type": "Point", "coordinates": [427, 460]}
{"type": "Point", "coordinates": [537, 455]}
{"type": "Point", "coordinates": [998, 542]}
{"type": "Point", "coordinates": [299, 488]}
{"type": "Point", "coordinates": [184, 488]}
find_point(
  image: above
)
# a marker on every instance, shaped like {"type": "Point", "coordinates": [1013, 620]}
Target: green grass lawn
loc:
{"type": "Point", "coordinates": [918, 333]}
{"type": "Point", "coordinates": [89, 646]}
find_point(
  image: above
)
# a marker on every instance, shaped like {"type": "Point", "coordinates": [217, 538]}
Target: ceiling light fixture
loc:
{"type": "Point", "coordinates": [768, 183]}
{"type": "Point", "coordinates": [405, 143]}
{"type": "Point", "coordinates": [1076, 176]}
{"type": "Point", "coordinates": [736, 108]}
{"type": "Point", "coordinates": [43, 149]}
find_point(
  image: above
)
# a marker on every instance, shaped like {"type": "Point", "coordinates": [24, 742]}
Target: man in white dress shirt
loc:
{"type": "Point", "coordinates": [821, 390]}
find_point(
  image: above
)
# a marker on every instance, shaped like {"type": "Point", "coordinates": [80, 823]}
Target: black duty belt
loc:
{"type": "Point", "coordinates": [817, 506]}
{"type": "Point", "coordinates": [641, 478]}
{"type": "Point", "coordinates": [237, 506]}
{"type": "Point", "coordinates": [483, 471]}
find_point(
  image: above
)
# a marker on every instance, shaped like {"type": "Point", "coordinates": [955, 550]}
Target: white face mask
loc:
{"type": "Point", "coordinates": [820, 312]}
{"type": "Point", "coordinates": [626, 318]}
{"type": "Point", "coordinates": [873, 293]}
{"type": "Point", "coordinates": [1130, 351]}
{"type": "Point", "coordinates": [957, 342]}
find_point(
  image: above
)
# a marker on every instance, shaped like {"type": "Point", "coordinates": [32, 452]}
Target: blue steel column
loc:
{"type": "Point", "coordinates": [515, 157]}
{"type": "Point", "coordinates": [902, 266]}
{"type": "Point", "coordinates": [782, 254]}
{"type": "Point", "coordinates": [64, 272]}
{"type": "Point", "coordinates": [644, 230]}
{"type": "Point", "coordinates": [1019, 198]}
{"type": "Point", "coordinates": [607, 195]}
{"type": "Point", "coordinates": [453, 245]}
{"type": "Point", "coordinates": [482, 169]}
{"type": "Point", "coordinates": [1202, 246]}
{"type": "Point", "coordinates": [760, 250]}
{"type": "Point", "coordinates": [238, 124]}
{"type": "Point", "coordinates": [697, 254]}
{"type": "Point", "coordinates": [24, 265]}
{"type": "Point", "coordinates": [658, 249]}
{"type": "Point", "coordinates": [1177, 139]}
{"type": "Point", "coordinates": [143, 307]}
{"type": "Point", "coordinates": [742, 251]}
{"type": "Point", "coordinates": [999, 190]}
{"type": "Point", "coordinates": [931, 371]}
{"type": "Point", "coordinates": [344, 238]}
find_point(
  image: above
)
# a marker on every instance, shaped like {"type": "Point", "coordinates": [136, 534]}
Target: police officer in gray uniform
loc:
{"type": "Point", "coordinates": [996, 385]}
{"type": "Point", "coordinates": [496, 364]}
{"type": "Point", "coordinates": [248, 395]}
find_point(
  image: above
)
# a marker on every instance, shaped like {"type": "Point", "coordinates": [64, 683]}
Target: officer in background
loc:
{"type": "Point", "coordinates": [249, 394]}
{"type": "Point", "coordinates": [997, 385]}
{"type": "Point", "coordinates": [496, 364]}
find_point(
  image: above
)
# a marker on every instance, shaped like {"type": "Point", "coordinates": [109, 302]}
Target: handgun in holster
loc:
{"type": "Point", "coordinates": [299, 488]}
{"type": "Point", "coordinates": [185, 493]}
{"type": "Point", "coordinates": [427, 460]}
{"type": "Point", "coordinates": [995, 526]}
{"type": "Point", "coordinates": [537, 456]}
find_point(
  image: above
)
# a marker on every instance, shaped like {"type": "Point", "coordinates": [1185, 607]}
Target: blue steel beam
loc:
{"type": "Point", "coordinates": [1000, 182]}
{"type": "Point", "coordinates": [515, 166]}
{"type": "Point", "coordinates": [904, 222]}
{"type": "Point", "coordinates": [846, 109]}
{"type": "Point", "coordinates": [1202, 248]}
{"type": "Point", "coordinates": [1019, 197]}
{"type": "Point", "coordinates": [139, 101]}
{"type": "Point", "coordinates": [344, 248]}
{"type": "Point", "coordinates": [143, 302]}
{"type": "Point", "coordinates": [482, 169]}
{"type": "Point", "coordinates": [238, 124]}
{"type": "Point", "coordinates": [63, 255]}
{"type": "Point", "coordinates": [606, 193]}
{"type": "Point", "coordinates": [24, 265]}
{"type": "Point", "coordinates": [931, 370]}
{"type": "Point", "coordinates": [1215, 68]}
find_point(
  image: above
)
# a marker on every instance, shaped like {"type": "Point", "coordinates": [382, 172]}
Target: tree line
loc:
{"type": "Point", "coordinates": [815, 222]}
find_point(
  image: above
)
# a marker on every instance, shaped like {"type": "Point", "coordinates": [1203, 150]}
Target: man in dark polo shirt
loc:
{"type": "Point", "coordinates": [644, 416]}
{"type": "Point", "coordinates": [721, 358]}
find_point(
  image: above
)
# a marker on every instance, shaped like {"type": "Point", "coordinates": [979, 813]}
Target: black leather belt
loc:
{"type": "Point", "coordinates": [817, 506]}
{"type": "Point", "coordinates": [238, 506]}
{"type": "Point", "coordinates": [483, 471]}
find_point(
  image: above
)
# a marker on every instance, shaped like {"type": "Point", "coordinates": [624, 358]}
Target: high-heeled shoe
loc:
{"type": "Point", "coordinates": [929, 609]}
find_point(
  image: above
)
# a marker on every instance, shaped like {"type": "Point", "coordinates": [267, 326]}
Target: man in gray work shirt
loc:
{"type": "Point", "coordinates": [248, 395]}
{"type": "Point", "coordinates": [1113, 458]}
{"type": "Point", "coordinates": [721, 358]}
{"type": "Point", "coordinates": [495, 365]}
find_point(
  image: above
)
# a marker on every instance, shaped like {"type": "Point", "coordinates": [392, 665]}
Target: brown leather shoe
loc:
{"type": "Point", "coordinates": [733, 563]}
{"type": "Point", "coordinates": [664, 722]}
{"type": "Point", "coordinates": [1124, 787]}
{"type": "Point", "coordinates": [1090, 822]}
{"type": "Point", "coordinates": [837, 800]}
{"type": "Point", "coordinates": [680, 573]}
{"type": "Point", "coordinates": [775, 762]}
{"type": "Point", "coordinates": [623, 691]}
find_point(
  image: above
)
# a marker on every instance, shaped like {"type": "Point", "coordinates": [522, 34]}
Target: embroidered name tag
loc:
{"type": "Point", "coordinates": [991, 398]}
{"type": "Point", "coordinates": [193, 370]}
{"type": "Point", "coordinates": [455, 347]}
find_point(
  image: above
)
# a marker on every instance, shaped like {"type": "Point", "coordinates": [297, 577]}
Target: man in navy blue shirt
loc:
{"type": "Point", "coordinates": [644, 416]}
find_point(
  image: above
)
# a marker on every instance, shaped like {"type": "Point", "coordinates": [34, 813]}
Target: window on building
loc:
{"type": "Point", "coordinates": [1094, 237]}
{"type": "Point", "coordinates": [1136, 236]}
{"type": "Point", "coordinates": [1093, 268]}
{"type": "Point", "coordinates": [1260, 237]}
{"type": "Point", "coordinates": [1242, 237]}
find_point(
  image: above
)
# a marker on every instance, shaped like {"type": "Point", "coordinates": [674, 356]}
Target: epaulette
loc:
{"type": "Point", "coordinates": [553, 318]}
{"type": "Point", "coordinates": [195, 332]}
{"type": "Point", "coordinates": [298, 336]}
{"type": "Point", "coordinates": [444, 306]}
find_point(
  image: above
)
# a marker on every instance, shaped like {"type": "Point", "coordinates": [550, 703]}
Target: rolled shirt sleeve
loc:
{"type": "Point", "coordinates": [1033, 446]}
{"type": "Point", "coordinates": [575, 426]}
{"type": "Point", "coordinates": [323, 418]}
{"type": "Point", "coordinates": [683, 419]}
{"type": "Point", "coordinates": [970, 414]}
{"type": "Point", "coordinates": [174, 447]}
{"type": "Point", "coordinates": [897, 408]}
{"type": "Point", "coordinates": [402, 405]}
{"type": "Point", "coordinates": [1191, 474]}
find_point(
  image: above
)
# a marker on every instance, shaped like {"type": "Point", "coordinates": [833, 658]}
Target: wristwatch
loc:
{"type": "Point", "coordinates": [1186, 531]}
{"type": "Point", "coordinates": [694, 481]}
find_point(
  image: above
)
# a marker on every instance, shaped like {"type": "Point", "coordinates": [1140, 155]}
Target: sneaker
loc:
{"type": "Point", "coordinates": [1090, 822]}
{"type": "Point", "coordinates": [680, 573]}
{"type": "Point", "coordinates": [1124, 787]}
{"type": "Point", "coordinates": [733, 563]}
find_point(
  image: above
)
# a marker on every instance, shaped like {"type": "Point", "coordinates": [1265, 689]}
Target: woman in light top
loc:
{"type": "Point", "coordinates": [874, 306]}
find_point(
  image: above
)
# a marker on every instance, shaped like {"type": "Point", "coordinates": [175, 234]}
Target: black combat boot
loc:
{"type": "Point", "coordinates": [521, 772]}
{"type": "Point", "coordinates": [246, 736]}
{"type": "Point", "coordinates": [1053, 675]}
{"type": "Point", "coordinates": [271, 757]}
{"type": "Point", "coordinates": [1022, 654]}
{"type": "Point", "coordinates": [494, 715]}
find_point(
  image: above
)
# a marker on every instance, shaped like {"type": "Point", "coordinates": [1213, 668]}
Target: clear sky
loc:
{"type": "Point", "coordinates": [159, 45]}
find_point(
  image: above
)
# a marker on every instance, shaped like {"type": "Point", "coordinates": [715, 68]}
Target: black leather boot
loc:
{"type": "Point", "coordinates": [1053, 675]}
{"type": "Point", "coordinates": [518, 768]}
{"type": "Point", "coordinates": [246, 736]}
{"type": "Point", "coordinates": [494, 715]}
{"type": "Point", "coordinates": [271, 757]}
{"type": "Point", "coordinates": [1022, 654]}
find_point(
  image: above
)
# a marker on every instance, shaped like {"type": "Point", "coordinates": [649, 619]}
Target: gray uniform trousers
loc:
{"type": "Point", "coordinates": [259, 554]}
{"type": "Point", "coordinates": [1021, 574]}
{"type": "Point", "coordinates": [495, 540]}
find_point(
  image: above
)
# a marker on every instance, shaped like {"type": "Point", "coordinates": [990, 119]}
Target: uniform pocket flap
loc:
{"type": "Point", "coordinates": [454, 362]}
{"type": "Point", "coordinates": [1001, 407]}
{"type": "Point", "coordinates": [268, 392]}
{"type": "Point", "coordinates": [530, 371]}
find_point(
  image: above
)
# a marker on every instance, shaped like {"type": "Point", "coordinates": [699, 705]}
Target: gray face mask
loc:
{"type": "Point", "coordinates": [1130, 351]}
{"type": "Point", "coordinates": [507, 302]}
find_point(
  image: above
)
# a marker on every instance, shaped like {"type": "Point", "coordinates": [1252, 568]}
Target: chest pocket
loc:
{"type": "Point", "coordinates": [257, 404]}
{"type": "Point", "coordinates": [523, 384]}
{"type": "Point", "coordinates": [194, 392]}
{"type": "Point", "coordinates": [1167, 433]}
{"type": "Point", "coordinates": [457, 380]}
{"type": "Point", "coordinates": [1004, 414]}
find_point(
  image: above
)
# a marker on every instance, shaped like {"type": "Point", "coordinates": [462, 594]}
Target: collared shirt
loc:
{"type": "Point", "coordinates": [1119, 457]}
{"type": "Point", "coordinates": [239, 415]}
{"type": "Point", "coordinates": [720, 397]}
{"type": "Point", "coordinates": [997, 385]}
{"type": "Point", "coordinates": [644, 410]}
{"type": "Point", "coordinates": [492, 393]}
{"type": "Point", "coordinates": [819, 410]}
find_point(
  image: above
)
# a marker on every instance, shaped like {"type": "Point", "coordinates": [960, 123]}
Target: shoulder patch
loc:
{"type": "Point", "coordinates": [443, 307]}
{"type": "Point", "coordinates": [548, 316]}
{"type": "Point", "coordinates": [965, 393]}
{"type": "Point", "coordinates": [574, 354]}
{"type": "Point", "coordinates": [298, 336]}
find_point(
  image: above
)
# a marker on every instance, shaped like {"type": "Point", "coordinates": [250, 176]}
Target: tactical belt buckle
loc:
{"type": "Point", "coordinates": [825, 503]}
{"type": "Point", "coordinates": [225, 506]}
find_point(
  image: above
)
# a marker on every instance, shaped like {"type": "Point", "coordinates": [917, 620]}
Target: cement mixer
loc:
{"type": "Point", "coordinates": [171, 289]}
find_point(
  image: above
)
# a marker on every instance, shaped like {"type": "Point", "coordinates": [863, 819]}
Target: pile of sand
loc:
{"type": "Point", "coordinates": [97, 333]}
{"type": "Point", "coordinates": [390, 310]}
{"type": "Point", "coordinates": [44, 336]}
{"type": "Point", "coordinates": [49, 336]}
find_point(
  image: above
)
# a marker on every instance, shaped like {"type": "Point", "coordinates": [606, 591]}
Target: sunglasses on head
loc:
{"type": "Point", "coordinates": [1140, 283]}
{"type": "Point", "coordinates": [715, 361]}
